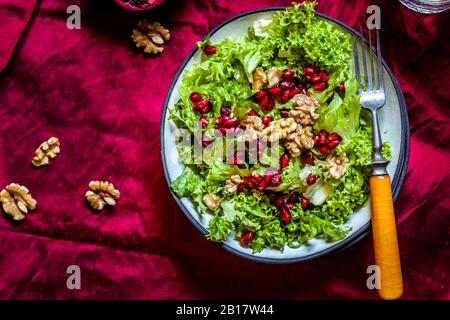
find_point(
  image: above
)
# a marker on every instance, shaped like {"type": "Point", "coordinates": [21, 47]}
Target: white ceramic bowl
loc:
{"type": "Point", "coordinates": [393, 125]}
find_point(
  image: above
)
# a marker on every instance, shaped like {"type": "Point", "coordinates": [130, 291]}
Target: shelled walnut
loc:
{"type": "Point", "coordinates": [232, 183]}
{"type": "Point", "coordinates": [150, 36]}
{"type": "Point", "coordinates": [212, 201]}
{"type": "Point", "coordinates": [47, 150]}
{"type": "Point", "coordinates": [304, 109]}
{"type": "Point", "coordinates": [17, 201]}
{"type": "Point", "coordinates": [338, 165]}
{"type": "Point", "coordinates": [102, 193]}
{"type": "Point", "coordinates": [279, 129]}
{"type": "Point", "coordinates": [259, 78]}
{"type": "Point", "coordinates": [302, 138]}
{"type": "Point", "coordinates": [252, 125]}
{"type": "Point", "coordinates": [273, 76]}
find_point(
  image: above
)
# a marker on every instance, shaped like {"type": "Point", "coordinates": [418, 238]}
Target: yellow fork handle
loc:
{"type": "Point", "coordinates": [385, 241]}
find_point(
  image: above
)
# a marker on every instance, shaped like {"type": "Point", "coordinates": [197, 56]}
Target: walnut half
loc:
{"type": "Point", "coordinates": [212, 201]}
{"type": "Point", "coordinates": [232, 183]}
{"type": "Point", "coordinates": [17, 201]}
{"type": "Point", "coordinates": [338, 165]}
{"type": "Point", "coordinates": [102, 193]}
{"type": "Point", "coordinates": [47, 150]}
{"type": "Point", "coordinates": [259, 78]}
{"type": "Point", "coordinates": [150, 36]}
{"type": "Point", "coordinates": [304, 109]}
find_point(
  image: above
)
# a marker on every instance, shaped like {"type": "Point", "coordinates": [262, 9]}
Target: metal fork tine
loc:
{"type": "Point", "coordinates": [355, 52]}
{"type": "Point", "coordinates": [372, 59]}
{"type": "Point", "coordinates": [380, 65]}
{"type": "Point", "coordinates": [364, 64]}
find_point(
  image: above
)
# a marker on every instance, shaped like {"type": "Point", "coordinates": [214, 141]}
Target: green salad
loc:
{"type": "Point", "coordinates": [299, 158]}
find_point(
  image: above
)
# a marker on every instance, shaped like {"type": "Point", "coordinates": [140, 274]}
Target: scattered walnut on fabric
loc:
{"type": "Point", "coordinates": [338, 165]}
{"type": "Point", "coordinates": [302, 138]}
{"type": "Point", "coordinates": [232, 183]}
{"type": "Point", "coordinates": [304, 109]}
{"type": "Point", "coordinates": [17, 201]}
{"type": "Point", "coordinates": [150, 36]}
{"type": "Point", "coordinates": [102, 193]}
{"type": "Point", "coordinates": [47, 150]}
{"type": "Point", "coordinates": [259, 78]}
{"type": "Point", "coordinates": [212, 201]}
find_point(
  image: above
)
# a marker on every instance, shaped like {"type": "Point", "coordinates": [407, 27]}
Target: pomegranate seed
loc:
{"type": "Point", "coordinates": [320, 86]}
{"type": "Point", "coordinates": [275, 181]}
{"type": "Point", "coordinates": [247, 237]}
{"type": "Point", "coordinates": [296, 90]}
{"type": "Point", "coordinates": [324, 133]}
{"type": "Point", "coordinates": [231, 122]}
{"type": "Point", "coordinates": [311, 179]}
{"type": "Point", "coordinates": [307, 78]}
{"type": "Point", "coordinates": [285, 214]}
{"type": "Point", "coordinates": [249, 182]}
{"type": "Point", "coordinates": [342, 87]}
{"type": "Point", "coordinates": [307, 157]}
{"type": "Point", "coordinates": [334, 136]}
{"type": "Point", "coordinates": [202, 106]}
{"type": "Point", "coordinates": [293, 198]}
{"type": "Point", "coordinates": [323, 76]}
{"type": "Point", "coordinates": [279, 202]}
{"type": "Point", "coordinates": [323, 140]}
{"type": "Point", "coordinates": [305, 203]}
{"type": "Point", "coordinates": [275, 91]}
{"type": "Point", "coordinates": [225, 111]}
{"type": "Point", "coordinates": [258, 179]}
{"type": "Point", "coordinates": [287, 85]}
{"type": "Point", "coordinates": [195, 97]}
{"type": "Point", "coordinates": [267, 103]}
{"type": "Point", "coordinates": [206, 141]}
{"type": "Point", "coordinates": [253, 113]}
{"type": "Point", "coordinates": [210, 50]}
{"type": "Point", "coordinates": [308, 70]}
{"type": "Point", "coordinates": [266, 120]}
{"type": "Point", "coordinates": [289, 205]}
{"type": "Point", "coordinates": [218, 122]}
{"type": "Point", "coordinates": [261, 94]}
{"type": "Point", "coordinates": [284, 161]}
{"type": "Point", "coordinates": [207, 108]}
{"type": "Point", "coordinates": [272, 196]}
{"type": "Point", "coordinates": [288, 74]}
{"type": "Point", "coordinates": [262, 185]}
{"type": "Point", "coordinates": [284, 97]}
{"type": "Point", "coordinates": [316, 140]}
{"type": "Point", "coordinates": [203, 122]}
{"type": "Point", "coordinates": [333, 144]}
{"type": "Point", "coordinates": [324, 149]}
{"type": "Point", "coordinates": [237, 162]}
{"type": "Point", "coordinates": [315, 78]}
{"type": "Point", "coordinates": [240, 187]}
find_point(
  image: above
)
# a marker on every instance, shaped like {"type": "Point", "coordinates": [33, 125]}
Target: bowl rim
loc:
{"type": "Point", "coordinates": [397, 180]}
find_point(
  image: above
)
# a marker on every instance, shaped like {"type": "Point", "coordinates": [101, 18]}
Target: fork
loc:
{"type": "Point", "coordinates": [372, 98]}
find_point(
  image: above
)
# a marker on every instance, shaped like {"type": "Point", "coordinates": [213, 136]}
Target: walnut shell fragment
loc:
{"type": "Point", "coordinates": [47, 150]}
{"type": "Point", "coordinates": [150, 36]}
{"type": "Point", "coordinates": [102, 193]}
{"type": "Point", "coordinates": [17, 201]}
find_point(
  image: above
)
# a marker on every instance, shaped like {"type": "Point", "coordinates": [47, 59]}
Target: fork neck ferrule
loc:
{"type": "Point", "coordinates": [379, 163]}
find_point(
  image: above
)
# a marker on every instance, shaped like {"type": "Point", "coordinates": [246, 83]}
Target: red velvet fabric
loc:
{"type": "Point", "coordinates": [104, 99]}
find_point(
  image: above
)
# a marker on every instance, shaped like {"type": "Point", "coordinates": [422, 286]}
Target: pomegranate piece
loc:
{"type": "Point", "coordinates": [272, 196]}
{"type": "Point", "coordinates": [285, 214]}
{"type": "Point", "coordinates": [262, 185]}
{"type": "Point", "coordinates": [293, 198]}
{"type": "Point", "coordinates": [322, 140]}
{"type": "Point", "coordinates": [266, 120]}
{"type": "Point", "coordinates": [315, 78]}
{"type": "Point", "coordinates": [246, 238]}
{"type": "Point", "coordinates": [296, 90]}
{"type": "Point", "coordinates": [287, 85]}
{"type": "Point", "coordinates": [230, 122]}
{"type": "Point", "coordinates": [267, 103]}
{"type": "Point", "coordinates": [309, 70]}
{"type": "Point", "coordinates": [311, 179]}
{"type": "Point", "coordinates": [307, 157]}
{"type": "Point", "coordinates": [195, 97]}
{"type": "Point", "coordinates": [203, 122]}
{"type": "Point", "coordinates": [225, 111]}
{"type": "Point", "coordinates": [283, 97]}
{"type": "Point", "coordinates": [333, 144]}
{"type": "Point", "coordinates": [320, 86]}
{"type": "Point", "coordinates": [206, 141]}
{"type": "Point", "coordinates": [210, 50]}
{"type": "Point", "coordinates": [275, 181]}
{"type": "Point", "coordinates": [334, 136]}
{"type": "Point", "coordinates": [249, 182]}
{"type": "Point", "coordinates": [342, 87]}
{"type": "Point", "coordinates": [323, 76]}
{"type": "Point", "coordinates": [204, 106]}
{"type": "Point", "coordinates": [289, 205]}
{"type": "Point", "coordinates": [279, 202]}
{"type": "Point", "coordinates": [288, 74]}
{"type": "Point", "coordinates": [305, 203]}
{"type": "Point", "coordinates": [324, 149]}
{"type": "Point", "coordinates": [284, 161]}
{"type": "Point", "coordinates": [307, 78]}
{"type": "Point", "coordinates": [261, 94]}
{"type": "Point", "coordinates": [253, 113]}
{"type": "Point", "coordinates": [275, 91]}
{"type": "Point", "coordinates": [316, 140]}
{"type": "Point", "coordinates": [240, 187]}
